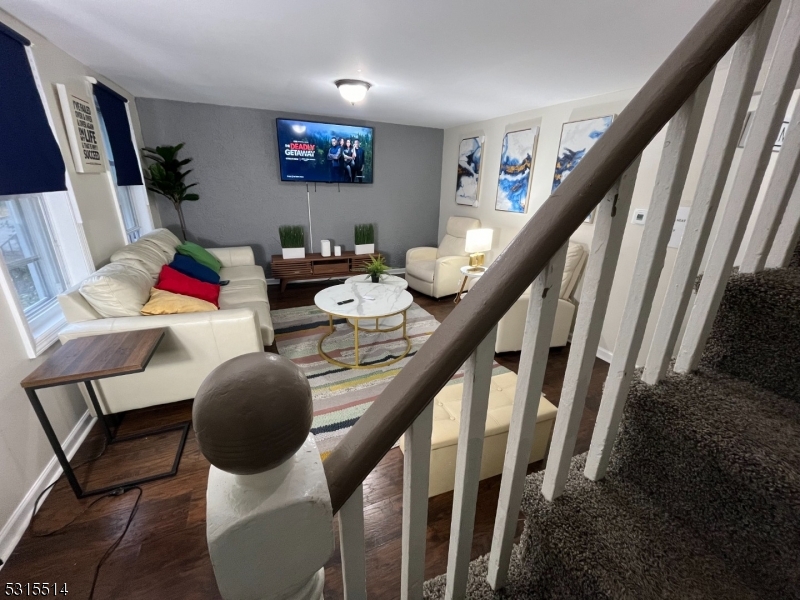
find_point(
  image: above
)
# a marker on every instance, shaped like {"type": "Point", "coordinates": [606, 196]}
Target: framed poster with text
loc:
{"type": "Point", "coordinates": [83, 130]}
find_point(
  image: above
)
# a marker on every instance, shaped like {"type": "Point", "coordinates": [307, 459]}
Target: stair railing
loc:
{"type": "Point", "coordinates": [677, 94]}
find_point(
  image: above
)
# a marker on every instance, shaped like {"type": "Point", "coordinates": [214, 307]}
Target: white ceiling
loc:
{"type": "Point", "coordinates": [436, 63]}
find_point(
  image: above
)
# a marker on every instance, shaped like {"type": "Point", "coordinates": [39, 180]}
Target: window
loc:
{"type": "Point", "coordinates": [43, 249]}
{"type": "Point", "coordinates": [27, 247]}
{"type": "Point", "coordinates": [125, 193]}
{"type": "Point", "coordinates": [34, 271]}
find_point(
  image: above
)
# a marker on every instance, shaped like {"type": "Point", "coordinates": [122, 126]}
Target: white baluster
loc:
{"type": "Point", "coordinates": [742, 75]}
{"type": "Point", "coordinates": [474, 405]}
{"type": "Point", "coordinates": [772, 105]}
{"type": "Point", "coordinates": [416, 473]}
{"type": "Point", "coordinates": [780, 189]}
{"type": "Point", "coordinates": [351, 546]}
{"type": "Point", "coordinates": [612, 216]}
{"type": "Point", "coordinates": [675, 159]}
{"type": "Point", "coordinates": [533, 361]}
{"type": "Point", "coordinates": [788, 233]}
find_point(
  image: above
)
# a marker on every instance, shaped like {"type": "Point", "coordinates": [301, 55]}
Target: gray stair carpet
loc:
{"type": "Point", "coordinates": [702, 495]}
{"type": "Point", "coordinates": [757, 332]}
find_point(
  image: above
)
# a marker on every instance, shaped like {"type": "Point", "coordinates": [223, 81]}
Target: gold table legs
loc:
{"type": "Point", "coordinates": [354, 322]}
{"type": "Point", "coordinates": [461, 291]}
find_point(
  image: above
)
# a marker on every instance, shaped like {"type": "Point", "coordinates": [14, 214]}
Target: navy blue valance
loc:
{"type": "Point", "coordinates": [30, 159]}
{"type": "Point", "coordinates": [115, 117]}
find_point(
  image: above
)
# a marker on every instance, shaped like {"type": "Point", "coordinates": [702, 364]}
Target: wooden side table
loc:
{"type": "Point", "coordinates": [84, 360]}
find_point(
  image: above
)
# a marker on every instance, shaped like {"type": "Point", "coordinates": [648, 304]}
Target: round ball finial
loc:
{"type": "Point", "coordinates": [252, 413]}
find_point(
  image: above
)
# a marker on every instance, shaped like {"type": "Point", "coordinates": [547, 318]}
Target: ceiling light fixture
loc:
{"type": "Point", "coordinates": [352, 90]}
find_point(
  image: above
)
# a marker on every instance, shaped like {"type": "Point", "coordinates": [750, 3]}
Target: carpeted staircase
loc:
{"type": "Point", "coordinates": [702, 497]}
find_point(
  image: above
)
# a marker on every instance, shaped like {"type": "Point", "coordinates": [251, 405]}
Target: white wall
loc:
{"type": "Point", "coordinates": [24, 451]}
{"type": "Point", "coordinates": [550, 120]}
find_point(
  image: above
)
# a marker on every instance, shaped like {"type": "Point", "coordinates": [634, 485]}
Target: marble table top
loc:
{"type": "Point", "coordinates": [371, 300]}
{"type": "Point", "coordinates": [385, 280]}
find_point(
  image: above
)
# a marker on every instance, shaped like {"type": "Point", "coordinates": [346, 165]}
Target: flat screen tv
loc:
{"type": "Point", "coordinates": [325, 152]}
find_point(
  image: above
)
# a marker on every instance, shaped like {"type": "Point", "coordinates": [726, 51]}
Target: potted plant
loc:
{"type": "Point", "coordinates": [293, 241]}
{"type": "Point", "coordinates": [165, 177]}
{"type": "Point", "coordinates": [376, 267]}
{"type": "Point", "coordinates": [365, 239]}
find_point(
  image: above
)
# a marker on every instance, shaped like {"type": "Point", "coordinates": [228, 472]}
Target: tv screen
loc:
{"type": "Point", "coordinates": [325, 152]}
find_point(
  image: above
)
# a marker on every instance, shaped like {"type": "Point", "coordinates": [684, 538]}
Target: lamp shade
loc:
{"type": "Point", "coordinates": [478, 240]}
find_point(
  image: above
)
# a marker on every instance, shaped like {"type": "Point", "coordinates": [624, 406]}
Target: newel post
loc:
{"type": "Point", "coordinates": [269, 518]}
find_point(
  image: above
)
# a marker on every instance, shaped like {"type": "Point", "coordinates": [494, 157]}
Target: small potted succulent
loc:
{"type": "Point", "coordinates": [365, 239]}
{"type": "Point", "coordinates": [376, 268]}
{"type": "Point", "coordinates": [293, 241]}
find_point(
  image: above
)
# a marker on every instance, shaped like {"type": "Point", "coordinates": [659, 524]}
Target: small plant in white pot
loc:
{"type": "Point", "coordinates": [293, 241]}
{"type": "Point", "coordinates": [365, 239]}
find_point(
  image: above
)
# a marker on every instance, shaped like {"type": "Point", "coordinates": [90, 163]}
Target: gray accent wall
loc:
{"type": "Point", "coordinates": [243, 200]}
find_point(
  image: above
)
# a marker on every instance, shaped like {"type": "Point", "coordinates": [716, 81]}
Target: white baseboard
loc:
{"type": "Point", "coordinates": [272, 281]}
{"type": "Point", "coordinates": [16, 525]}
{"type": "Point", "coordinates": [604, 354]}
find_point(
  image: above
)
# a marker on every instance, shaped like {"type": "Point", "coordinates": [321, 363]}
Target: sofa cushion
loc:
{"type": "Point", "coordinates": [244, 290]}
{"type": "Point", "coordinates": [192, 268]}
{"type": "Point", "coordinates": [458, 226]}
{"type": "Point", "coordinates": [144, 257]}
{"type": "Point", "coordinates": [117, 290]}
{"type": "Point", "coordinates": [162, 240]}
{"type": "Point", "coordinates": [167, 303]}
{"type": "Point", "coordinates": [447, 410]}
{"type": "Point", "coordinates": [173, 281]}
{"type": "Point", "coordinates": [422, 269]}
{"type": "Point", "coordinates": [451, 246]}
{"type": "Point", "coordinates": [200, 254]}
{"type": "Point", "coordinates": [242, 273]}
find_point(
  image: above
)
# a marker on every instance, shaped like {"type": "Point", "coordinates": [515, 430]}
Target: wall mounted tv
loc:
{"type": "Point", "coordinates": [325, 152]}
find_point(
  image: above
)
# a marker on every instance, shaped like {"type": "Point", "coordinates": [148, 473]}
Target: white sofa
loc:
{"type": "Point", "coordinates": [437, 271]}
{"type": "Point", "coordinates": [194, 343]}
{"type": "Point", "coordinates": [447, 423]}
{"type": "Point", "coordinates": [511, 327]}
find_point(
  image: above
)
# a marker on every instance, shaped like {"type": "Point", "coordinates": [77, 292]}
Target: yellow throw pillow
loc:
{"type": "Point", "coordinates": [167, 303]}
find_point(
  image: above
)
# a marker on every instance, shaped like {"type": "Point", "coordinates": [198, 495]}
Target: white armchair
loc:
{"type": "Point", "coordinates": [437, 271]}
{"type": "Point", "coordinates": [511, 327]}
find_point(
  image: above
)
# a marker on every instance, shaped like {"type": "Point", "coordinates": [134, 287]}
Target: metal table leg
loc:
{"type": "Point", "coordinates": [53, 439]}
{"type": "Point", "coordinates": [111, 438]}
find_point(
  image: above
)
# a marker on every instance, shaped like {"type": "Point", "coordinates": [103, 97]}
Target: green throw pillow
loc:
{"type": "Point", "coordinates": [200, 254]}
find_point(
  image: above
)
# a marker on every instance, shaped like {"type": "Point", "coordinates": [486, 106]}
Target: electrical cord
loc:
{"type": "Point", "coordinates": [114, 493]}
{"type": "Point", "coordinates": [110, 551]}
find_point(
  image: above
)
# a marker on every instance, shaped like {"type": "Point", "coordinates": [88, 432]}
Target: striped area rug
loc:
{"type": "Point", "coordinates": [342, 395]}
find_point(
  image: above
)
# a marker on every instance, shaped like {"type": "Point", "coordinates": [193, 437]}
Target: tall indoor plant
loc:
{"type": "Point", "coordinates": [166, 177]}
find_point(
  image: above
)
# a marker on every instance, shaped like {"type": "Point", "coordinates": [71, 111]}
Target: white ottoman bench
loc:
{"type": "Point", "coordinates": [447, 420]}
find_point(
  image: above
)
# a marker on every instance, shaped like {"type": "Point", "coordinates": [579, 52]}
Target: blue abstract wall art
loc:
{"type": "Point", "coordinates": [516, 166]}
{"type": "Point", "coordinates": [576, 140]}
{"type": "Point", "coordinates": [469, 168]}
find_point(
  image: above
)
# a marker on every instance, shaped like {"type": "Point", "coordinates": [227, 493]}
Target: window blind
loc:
{"type": "Point", "coordinates": [115, 117]}
{"type": "Point", "coordinates": [30, 159]}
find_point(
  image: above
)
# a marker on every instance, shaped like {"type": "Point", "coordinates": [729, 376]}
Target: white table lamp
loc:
{"type": "Point", "coordinates": [478, 242]}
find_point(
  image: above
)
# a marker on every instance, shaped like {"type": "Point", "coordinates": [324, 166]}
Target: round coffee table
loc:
{"type": "Point", "coordinates": [370, 301]}
{"type": "Point", "coordinates": [385, 280]}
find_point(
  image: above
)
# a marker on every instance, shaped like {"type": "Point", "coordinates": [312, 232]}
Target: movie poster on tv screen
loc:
{"type": "Point", "coordinates": [325, 152]}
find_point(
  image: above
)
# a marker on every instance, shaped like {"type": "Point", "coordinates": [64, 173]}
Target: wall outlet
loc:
{"type": "Point", "coordinates": [639, 216]}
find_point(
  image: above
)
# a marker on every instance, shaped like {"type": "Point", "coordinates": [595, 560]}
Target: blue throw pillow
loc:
{"type": "Point", "coordinates": [189, 266]}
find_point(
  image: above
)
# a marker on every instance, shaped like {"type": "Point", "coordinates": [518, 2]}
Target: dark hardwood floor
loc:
{"type": "Point", "coordinates": [163, 553]}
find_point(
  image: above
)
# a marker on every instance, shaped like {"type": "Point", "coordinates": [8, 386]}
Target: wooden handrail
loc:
{"type": "Point", "coordinates": [374, 434]}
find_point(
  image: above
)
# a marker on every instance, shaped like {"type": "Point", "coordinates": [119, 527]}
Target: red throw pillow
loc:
{"type": "Point", "coordinates": [176, 282]}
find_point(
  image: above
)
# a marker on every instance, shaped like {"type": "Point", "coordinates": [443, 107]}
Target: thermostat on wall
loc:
{"type": "Point", "coordinates": [639, 216]}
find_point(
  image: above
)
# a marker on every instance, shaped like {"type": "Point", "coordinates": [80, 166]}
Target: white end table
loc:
{"type": "Point", "coordinates": [369, 301]}
{"type": "Point", "coordinates": [468, 273]}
